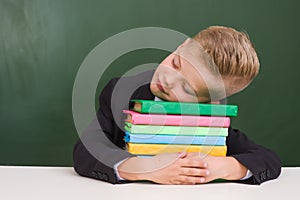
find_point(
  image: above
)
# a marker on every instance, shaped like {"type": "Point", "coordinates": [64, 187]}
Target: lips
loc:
{"type": "Point", "coordinates": [160, 86]}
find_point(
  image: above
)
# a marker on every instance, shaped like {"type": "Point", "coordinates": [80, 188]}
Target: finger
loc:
{"type": "Point", "coordinates": [207, 179]}
{"type": "Point", "coordinates": [188, 162]}
{"type": "Point", "coordinates": [202, 180]}
{"type": "Point", "coordinates": [190, 180]}
{"type": "Point", "coordinates": [190, 171]}
{"type": "Point", "coordinates": [182, 154]}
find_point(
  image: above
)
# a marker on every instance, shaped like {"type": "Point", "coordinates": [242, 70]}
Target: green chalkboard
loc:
{"type": "Point", "coordinates": [44, 42]}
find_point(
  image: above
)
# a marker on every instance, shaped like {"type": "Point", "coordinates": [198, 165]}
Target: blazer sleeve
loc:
{"type": "Point", "coordinates": [95, 154]}
{"type": "Point", "coordinates": [262, 162]}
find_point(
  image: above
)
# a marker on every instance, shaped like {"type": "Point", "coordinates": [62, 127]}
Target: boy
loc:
{"type": "Point", "coordinates": [223, 63]}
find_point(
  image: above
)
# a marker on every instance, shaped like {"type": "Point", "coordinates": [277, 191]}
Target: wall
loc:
{"type": "Point", "coordinates": [43, 43]}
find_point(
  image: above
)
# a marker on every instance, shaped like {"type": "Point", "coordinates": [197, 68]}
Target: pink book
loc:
{"type": "Point", "coordinates": [176, 120]}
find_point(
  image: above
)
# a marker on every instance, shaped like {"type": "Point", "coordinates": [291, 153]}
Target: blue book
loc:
{"type": "Point", "coordinates": [175, 139]}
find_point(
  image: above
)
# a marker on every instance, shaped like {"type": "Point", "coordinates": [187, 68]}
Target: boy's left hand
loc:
{"type": "Point", "coordinates": [227, 168]}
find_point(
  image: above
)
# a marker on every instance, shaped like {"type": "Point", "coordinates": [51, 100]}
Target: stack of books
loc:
{"type": "Point", "coordinates": [155, 127]}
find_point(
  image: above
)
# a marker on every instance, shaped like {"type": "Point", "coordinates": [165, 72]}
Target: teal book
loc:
{"type": "Point", "coordinates": [176, 130]}
{"type": "Point", "coordinates": [174, 139]}
{"type": "Point", "coordinates": [184, 108]}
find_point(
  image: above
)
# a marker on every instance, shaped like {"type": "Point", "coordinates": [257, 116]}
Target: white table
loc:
{"type": "Point", "coordinates": [55, 183]}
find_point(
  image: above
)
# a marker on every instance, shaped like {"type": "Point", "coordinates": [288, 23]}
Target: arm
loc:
{"type": "Point", "coordinates": [262, 162]}
{"type": "Point", "coordinates": [100, 148]}
{"type": "Point", "coordinates": [171, 168]}
{"type": "Point", "coordinates": [242, 155]}
{"type": "Point", "coordinates": [94, 154]}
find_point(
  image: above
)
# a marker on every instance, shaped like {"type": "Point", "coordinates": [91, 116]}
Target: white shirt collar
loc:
{"type": "Point", "coordinates": [157, 99]}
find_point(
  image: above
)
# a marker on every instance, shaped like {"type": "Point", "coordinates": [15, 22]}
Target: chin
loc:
{"type": "Point", "coordinates": [154, 90]}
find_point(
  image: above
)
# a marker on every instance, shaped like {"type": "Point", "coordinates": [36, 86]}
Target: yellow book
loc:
{"type": "Point", "coordinates": [154, 149]}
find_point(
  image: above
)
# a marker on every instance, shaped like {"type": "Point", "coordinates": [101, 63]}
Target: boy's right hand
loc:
{"type": "Point", "coordinates": [175, 168]}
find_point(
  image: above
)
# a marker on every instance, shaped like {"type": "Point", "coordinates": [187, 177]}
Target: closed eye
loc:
{"type": "Point", "coordinates": [187, 89]}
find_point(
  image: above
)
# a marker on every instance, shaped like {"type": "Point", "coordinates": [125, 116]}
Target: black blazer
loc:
{"type": "Point", "coordinates": [101, 145]}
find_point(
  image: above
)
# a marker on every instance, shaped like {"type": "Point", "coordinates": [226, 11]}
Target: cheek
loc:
{"type": "Point", "coordinates": [177, 94]}
{"type": "Point", "coordinates": [161, 69]}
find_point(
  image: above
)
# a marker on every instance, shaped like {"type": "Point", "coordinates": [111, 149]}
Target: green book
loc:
{"type": "Point", "coordinates": [184, 108]}
{"type": "Point", "coordinates": [176, 130]}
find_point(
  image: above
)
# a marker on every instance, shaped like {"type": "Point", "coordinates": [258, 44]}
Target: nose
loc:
{"type": "Point", "coordinates": [173, 86]}
{"type": "Point", "coordinates": [176, 93]}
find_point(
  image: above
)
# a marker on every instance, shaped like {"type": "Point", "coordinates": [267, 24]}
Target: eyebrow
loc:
{"type": "Point", "coordinates": [189, 92]}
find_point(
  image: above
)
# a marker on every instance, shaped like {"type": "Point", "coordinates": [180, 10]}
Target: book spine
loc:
{"type": "Point", "coordinates": [188, 109]}
{"type": "Point", "coordinates": [176, 130]}
{"type": "Point", "coordinates": [169, 139]}
{"type": "Point", "coordinates": [155, 149]}
{"type": "Point", "coordinates": [178, 120]}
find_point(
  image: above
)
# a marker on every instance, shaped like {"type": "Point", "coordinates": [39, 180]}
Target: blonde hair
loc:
{"type": "Point", "coordinates": [231, 50]}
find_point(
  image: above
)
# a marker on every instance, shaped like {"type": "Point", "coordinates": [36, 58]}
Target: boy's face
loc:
{"type": "Point", "coordinates": [176, 79]}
